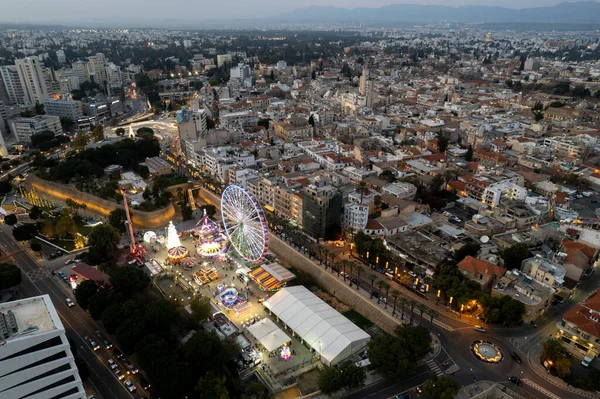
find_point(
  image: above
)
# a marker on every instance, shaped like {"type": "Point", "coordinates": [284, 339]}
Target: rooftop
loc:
{"type": "Point", "coordinates": [586, 315]}
{"type": "Point", "coordinates": [33, 316]}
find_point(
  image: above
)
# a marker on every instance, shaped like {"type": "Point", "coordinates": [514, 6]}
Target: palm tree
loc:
{"type": "Point", "coordinates": [403, 302]}
{"type": "Point", "coordinates": [422, 309]}
{"type": "Point", "coordinates": [380, 284]}
{"type": "Point", "coordinates": [325, 253]}
{"type": "Point", "coordinates": [338, 266]}
{"type": "Point", "coordinates": [344, 263]}
{"type": "Point", "coordinates": [351, 267]}
{"type": "Point", "coordinates": [432, 315]}
{"type": "Point", "coordinates": [412, 303]}
{"type": "Point", "coordinates": [372, 277]}
{"type": "Point", "coordinates": [333, 256]}
{"type": "Point", "coordinates": [386, 286]}
{"type": "Point", "coordinates": [362, 189]}
{"type": "Point", "coordinates": [359, 269]}
{"type": "Point", "coordinates": [395, 294]}
{"type": "Point", "coordinates": [320, 249]}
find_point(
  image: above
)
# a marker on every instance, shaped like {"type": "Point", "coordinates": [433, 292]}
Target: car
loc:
{"type": "Point", "coordinates": [107, 344]}
{"type": "Point", "coordinates": [419, 389]}
{"type": "Point", "coordinates": [412, 274]}
{"type": "Point", "coordinates": [479, 328]}
{"type": "Point", "coordinates": [118, 354]}
{"type": "Point", "coordinates": [131, 369]}
{"type": "Point", "coordinates": [515, 380]}
{"type": "Point", "coordinates": [129, 385]}
{"type": "Point", "coordinates": [70, 303]}
{"type": "Point", "coordinates": [61, 274]}
{"type": "Point", "coordinates": [344, 274]}
{"type": "Point", "coordinates": [144, 383]}
{"type": "Point", "coordinates": [69, 261]}
{"type": "Point", "coordinates": [404, 395]}
{"type": "Point", "coordinates": [516, 357]}
{"type": "Point", "coordinates": [119, 375]}
{"type": "Point", "coordinates": [92, 343]}
{"type": "Point", "coordinates": [380, 270]}
{"type": "Point", "coordinates": [339, 244]}
{"type": "Point", "coordinates": [77, 260]}
{"type": "Point", "coordinates": [112, 364]}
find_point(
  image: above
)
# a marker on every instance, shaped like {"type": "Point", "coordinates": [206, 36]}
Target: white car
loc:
{"type": "Point", "coordinates": [412, 274]}
{"type": "Point", "coordinates": [129, 385]}
{"type": "Point", "coordinates": [113, 365]}
{"type": "Point", "coordinates": [70, 303]}
{"type": "Point", "coordinates": [119, 375]}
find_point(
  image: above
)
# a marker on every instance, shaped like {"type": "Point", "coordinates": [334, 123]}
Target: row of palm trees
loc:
{"type": "Point", "coordinates": [405, 303]}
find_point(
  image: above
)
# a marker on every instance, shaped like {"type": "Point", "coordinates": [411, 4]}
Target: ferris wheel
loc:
{"type": "Point", "coordinates": [245, 223]}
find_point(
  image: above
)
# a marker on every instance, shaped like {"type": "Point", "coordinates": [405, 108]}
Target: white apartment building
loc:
{"type": "Point", "coordinates": [565, 147]}
{"type": "Point", "coordinates": [35, 356]}
{"type": "Point", "coordinates": [12, 84]}
{"type": "Point", "coordinates": [80, 69]}
{"type": "Point", "coordinates": [400, 190]}
{"type": "Point", "coordinates": [238, 120]}
{"type": "Point", "coordinates": [241, 72]}
{"type": "Point", "coordinates": [356, 217]}
{"type": "Point", "coordinates": [24, 128]}
{"type": "Point", "coordinates": [223, 59]}
{"type": "Point", "coordinates": [66, 108]}
{"type": "Point", "coordinates": [32, 79]}
{"type": "Point", "coordinates": [60, 56]}
{"type": "Point", "coordinates": [495, 193]}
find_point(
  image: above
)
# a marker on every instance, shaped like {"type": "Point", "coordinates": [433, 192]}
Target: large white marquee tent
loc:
{"type": "Point", "coordinates": [323, 328]}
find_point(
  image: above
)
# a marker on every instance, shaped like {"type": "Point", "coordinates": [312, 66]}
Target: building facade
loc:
{"type": "Point", "coordinates": [36, 359]}
{"type": "Point", "coordinates": [66, 108]}
{"type": "Point", "coordinates": [24, 128]}
{"type": "Point", "coordinates": [33, 80]}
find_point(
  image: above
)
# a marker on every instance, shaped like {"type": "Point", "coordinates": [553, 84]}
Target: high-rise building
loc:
{"type": "Point", "coordinates": [191, 125]}
{"type": "Point", "coordinates": [35, 356]}
{"type": "Point", "coordinates": [223, 59]}
{"type": "Point", "coordinates": [12, 84]}
{"type": "Point", "coordinates": [97, 67]}
{"type": "Point", "coordinates": [33, 80]}
{"type": "Point", "coordinates": [366, 86]}
{"type": "Point", "coordinates": [80, 69]}
{"type": "Point", "coordinates": [321, 209]}
{"type": "Point", "coordinates": [532, 64]}
{"type": "Point", "coordinates": [60, 56]}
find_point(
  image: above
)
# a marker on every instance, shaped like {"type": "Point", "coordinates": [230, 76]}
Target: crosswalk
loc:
{"type": "Point", "coordinates": [443, 325]}
{"type": "Point", "coordinates": [433, 366]}
{"type": "Point", "coordinates": [540, 388]}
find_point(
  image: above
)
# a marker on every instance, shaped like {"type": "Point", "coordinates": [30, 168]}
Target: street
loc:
{"type": "Point", "coordinates": [78, 324]}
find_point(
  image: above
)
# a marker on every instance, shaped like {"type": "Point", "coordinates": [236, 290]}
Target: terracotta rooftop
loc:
{"type": "Point", "coordinates": [580, 315]}
{"type": "Point", "coordinates": [373, 224]}
{"type": "Point", "coordinates": [473, 265]}
{"type": "Point", "coordinates": [573, 248]}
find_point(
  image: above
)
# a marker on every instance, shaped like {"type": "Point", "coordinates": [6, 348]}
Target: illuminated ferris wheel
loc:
{"type": "Point", "coordinates": [245, 223]}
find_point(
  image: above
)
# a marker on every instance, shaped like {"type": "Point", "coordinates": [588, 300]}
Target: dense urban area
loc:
{"type": "Point", "coordinates": [343, 211]}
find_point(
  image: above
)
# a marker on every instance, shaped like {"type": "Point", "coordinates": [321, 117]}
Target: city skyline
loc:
{"type": "Point", "coordinates": [138, 12]}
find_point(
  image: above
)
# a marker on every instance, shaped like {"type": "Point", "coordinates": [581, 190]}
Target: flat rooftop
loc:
{"type": "Point", "coordinates": [33, 315]}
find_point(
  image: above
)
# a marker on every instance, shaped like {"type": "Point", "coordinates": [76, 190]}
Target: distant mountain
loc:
{"type": "Point", "coordinates": [584, 11]}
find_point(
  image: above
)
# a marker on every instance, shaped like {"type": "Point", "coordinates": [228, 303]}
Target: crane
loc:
{"type": "Point", "coordinates": [136, 251]}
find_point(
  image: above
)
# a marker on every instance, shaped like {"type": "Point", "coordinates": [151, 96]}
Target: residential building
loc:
{"type": "Point", "coordinates": [64, 108]}
{"type": "Point", "coordinates": [400, 190]}
{"type": "Point", "coordinates": [97, 69]}
{"type": "Point", "coordinates": [534, 295]}
{"type": "Point", "coordinates": [223, 59]}
{"type": "Point", "coordinates": [32, 79]}
{"type": "Point", "coordinates": [12, 84]}
{"type": "Point", "coordinates": [579, 260]}
{"type": "Point", "coordinates": [36, 359]}
{"type": "Point", "coordinates": [191, 126]}
{"type": "Point", "coordinates": [356, 217]}
{"type": "Point", "coordinates": [80, 69]}
{"type": "Point", "coordinates": [580, 326]}
{"type": "Point", "coordinates": [24, 128]}
{"type": "Point", "coordinates": [321, 208]}
{"type": "Point", "coordinates": [158, 166]}
{"type": "Point", "coordinates": [532, 64]}
{"type": "Point", "coordinates": [480, 271]}
{"type": "Point", "coordinates": [292, 129]}
{"type": "Point", "coordinates": [495, 193]}
{"type": "Point", "coordinates": [241, 72]}
{"type": "Point", "coordinates": [544, 271]}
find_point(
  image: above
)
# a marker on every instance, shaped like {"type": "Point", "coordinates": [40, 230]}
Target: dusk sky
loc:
{"type": "Point", "coordinates": [88, 10]}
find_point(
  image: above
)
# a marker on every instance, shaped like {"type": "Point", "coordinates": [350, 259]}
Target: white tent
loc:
{"type": "Point", "coordinates": [323, 328]}
{"type": "Point", "coordinates": [268, 334]}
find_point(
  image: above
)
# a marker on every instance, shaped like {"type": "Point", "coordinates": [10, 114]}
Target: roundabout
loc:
{"type": "Point", "coordinates": [486, 352]}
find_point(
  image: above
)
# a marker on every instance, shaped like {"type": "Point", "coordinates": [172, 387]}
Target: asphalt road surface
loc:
{"type": "Point", "coordinates": [78, 324]}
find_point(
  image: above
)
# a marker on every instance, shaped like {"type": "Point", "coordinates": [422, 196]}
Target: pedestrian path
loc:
{"type": "Point", "coordinates": [540, 388]}
{"type": "Point", "coordinates": [433, 366]}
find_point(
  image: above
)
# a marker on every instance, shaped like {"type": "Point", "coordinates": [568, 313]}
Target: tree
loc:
{"type": "Point", "coordinates": [432, 315]}
{"type": "Point", "coordinates": [129, 280]}
{"type": "Point", "coordinates": [581, 91]}
{"type": "Point", "coordinates": [98, 133]}
{"type": "Point", "coordinates": [5, 187]}
{"type": "Point", "coordinates": [313, 75]}
{"type": "Point", "coordinates": [10, 219]}
{"type": "Point", "coordinates": [120, 131]}
{"type": "Point", "coordinates": [514, 256]}
{"type": "Point", "coordinates": [112, 317]}
{"type": "Point", "coordinates": [145, 133]}
{"type": "Point", "coordinates": [97, 303]}
{"type": "Point", "coordinates": [440, 387]}
{"type": "Point", "coordinates": [554, 353]}
{"type": "Point", "coordinates": [25, 232]}
{"type": "Point", "coordinates": [36, 246]}
{"type": "Point", "coordinates": [35, 212]}
{"type": "Point", "coordinates": [362, 189]}
{"type": "Point", "coordinates": [395, 294]}
{"type": "Point", "coordinates": [201, 308]}
{"type": "Point", "coordinates": [390, 357]}
{"type": "Point", "coordinates": [117, 219]}
{"type": "Point", "coordinates": [212, 386]}
{"type": "Point", "coordinates": [103, 242]}
{"type": "Point", "coordinates": [81, 140]}
{"type": "Point", "coordinates": [372, 278]}
{"type": "Point", "coordinates": [442, 142]}
{"type": "Point", "coordinates": [209, 209]}
{"type": "Point", "coordinates": [10, 275]}
{"type": "Point", "coordinates": [186, 213]}
{"type": "Point", "coordinates": [422, 309]}
{"type": "Point", "coordinates": [469, 154]}
{"type": "Point", "coordinates": [84, 292]}
{"type": "Point", "coordinates": [346, 375]}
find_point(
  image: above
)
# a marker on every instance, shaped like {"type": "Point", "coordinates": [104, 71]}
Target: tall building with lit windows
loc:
{"type": "Point", "coordinates": [33, 80]}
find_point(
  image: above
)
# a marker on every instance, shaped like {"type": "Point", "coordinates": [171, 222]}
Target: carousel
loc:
{"type": "Point", "coordinates": [175, 251]}
{"type": "Point", "coordinates": [211, 241]}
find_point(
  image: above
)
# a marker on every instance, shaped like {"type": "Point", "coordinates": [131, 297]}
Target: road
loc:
{"type": "Point", "coordinates": [456, 342]}
{"type": "Point", "coordinates": [77, 323]}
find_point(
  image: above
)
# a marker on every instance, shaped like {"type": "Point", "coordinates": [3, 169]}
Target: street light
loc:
{"type": "Point", "coordinates": [474, 375]}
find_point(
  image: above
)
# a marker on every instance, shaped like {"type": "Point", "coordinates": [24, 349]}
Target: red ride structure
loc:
{"type": "Point", "coordinates": [137, 251]}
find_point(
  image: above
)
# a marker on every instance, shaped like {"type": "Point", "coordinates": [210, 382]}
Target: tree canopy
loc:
{"type": "Point", "coordinates": [117, 219]}
{"type": "Point", "coordinates": [102, 243]}
{"type": "Point", "coordinates": [345, 375]}
{"type": "Point", "coordinates": [441, 387]}
{"type": "Point", "coordinates": [10, 275]}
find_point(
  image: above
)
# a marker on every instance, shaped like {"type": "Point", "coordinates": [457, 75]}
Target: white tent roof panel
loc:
{"type": "Point", "coordinates": [323, 328]}
{"type": "Point", "coordinates": [268, 334]}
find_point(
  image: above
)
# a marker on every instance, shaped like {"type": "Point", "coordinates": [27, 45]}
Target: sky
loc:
{"type": "Point", "coordinates": [50, 11]}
